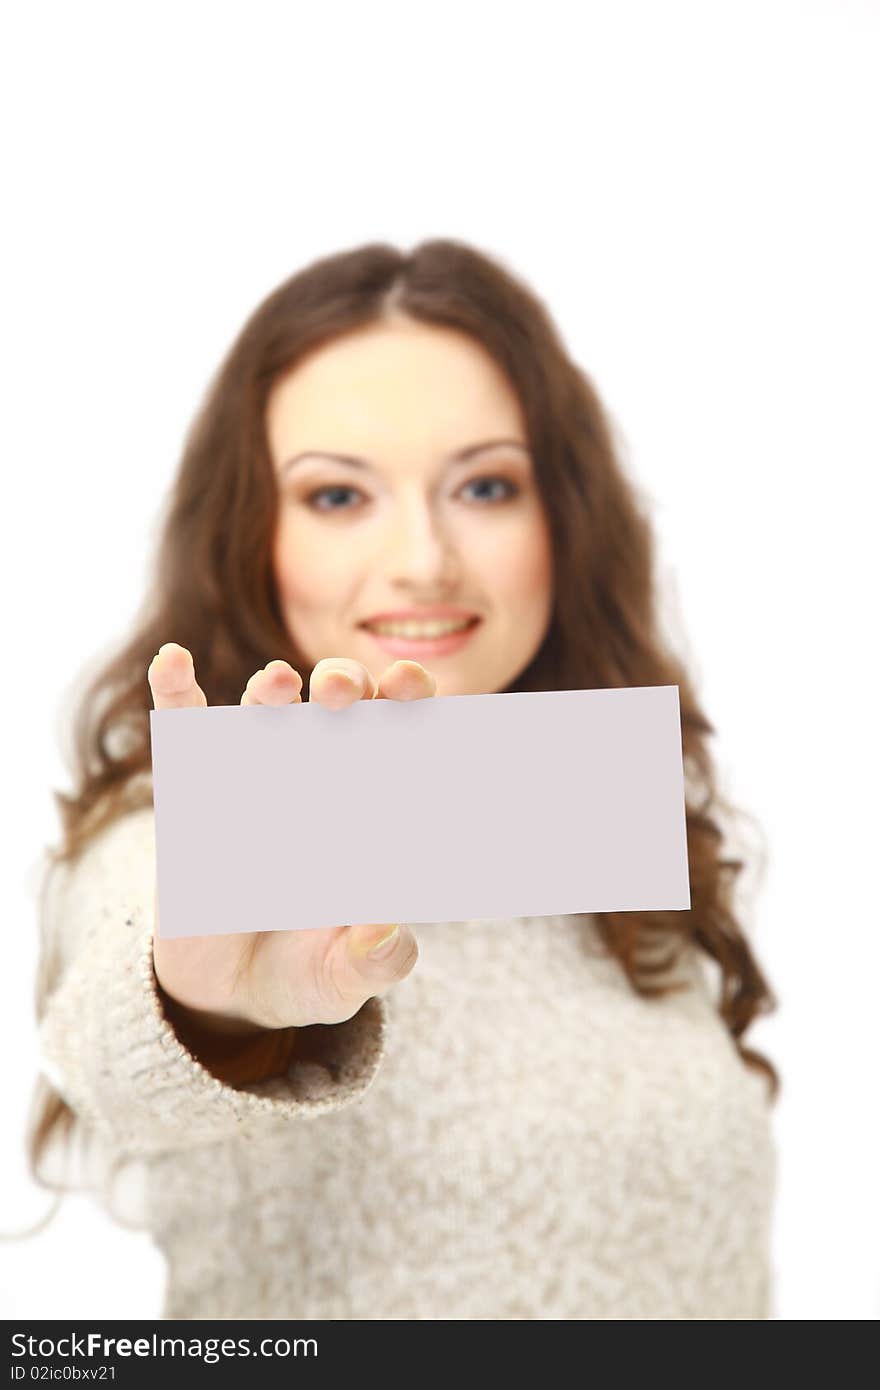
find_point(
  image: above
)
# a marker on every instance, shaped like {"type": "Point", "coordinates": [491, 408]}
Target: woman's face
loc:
{"type": "Point", "coordinates": [405, 523]}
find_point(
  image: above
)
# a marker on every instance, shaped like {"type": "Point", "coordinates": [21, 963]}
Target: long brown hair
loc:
{"type": "Point", "coordinates": [214, 591]}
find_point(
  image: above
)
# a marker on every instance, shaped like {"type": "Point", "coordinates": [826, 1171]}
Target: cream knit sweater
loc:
{"type": "Point", "coordinates": [510, 1132]}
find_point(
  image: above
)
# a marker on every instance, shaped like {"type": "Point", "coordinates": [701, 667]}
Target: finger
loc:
{"type": "Point", "coordinates": [338, 681]}
{"type": "Point", "coordinates": [172, 678]}
{"type": "Point", "coordinates": [276, 684]}
{"type": "Point", "coordinates": [323, 975]}
{"type": "Point", "coordinates": [406, 680]}
{"type": "Point", "coordinates": [370, 957]}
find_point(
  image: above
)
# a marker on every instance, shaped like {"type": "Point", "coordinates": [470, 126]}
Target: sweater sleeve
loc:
{"type": "Point", "coordinates": [107, 1045]}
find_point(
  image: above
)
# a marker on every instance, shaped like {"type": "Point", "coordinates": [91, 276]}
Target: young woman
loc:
{"type": "Point", "coordinates": [399, 486]}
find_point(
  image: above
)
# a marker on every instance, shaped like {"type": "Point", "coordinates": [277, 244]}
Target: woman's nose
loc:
{"type": "Point", "coordinates": [418, 542]}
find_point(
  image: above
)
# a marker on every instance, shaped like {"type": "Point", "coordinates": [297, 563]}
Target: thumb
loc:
{"type": "Point", "coordinates": [382, 950]}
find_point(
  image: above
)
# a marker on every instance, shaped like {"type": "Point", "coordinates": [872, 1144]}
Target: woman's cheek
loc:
{"type": "Point", "coordinates": [314, 570]}
{"type": "Point", "coordinates": [519, 562]}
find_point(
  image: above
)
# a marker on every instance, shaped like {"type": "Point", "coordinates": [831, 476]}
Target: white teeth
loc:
{"type": "Point", "coordinates": [415, 630]}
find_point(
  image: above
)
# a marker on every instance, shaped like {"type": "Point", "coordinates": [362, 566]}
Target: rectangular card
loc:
{"type": "Point", "coordinates": [449, 808]}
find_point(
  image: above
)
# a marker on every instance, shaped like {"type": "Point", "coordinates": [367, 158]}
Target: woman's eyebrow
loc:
{"type": "Point", "coordinates": [462, 456]}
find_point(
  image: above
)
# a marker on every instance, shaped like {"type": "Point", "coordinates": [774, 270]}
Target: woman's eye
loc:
{"type": "Point", "coordinates": [512, 488]}
{"type": "Point", "coordinates": [322, 491]}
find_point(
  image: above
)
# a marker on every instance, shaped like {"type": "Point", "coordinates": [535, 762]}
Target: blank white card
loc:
{"type": "Point", "coordinates": [444, 809]}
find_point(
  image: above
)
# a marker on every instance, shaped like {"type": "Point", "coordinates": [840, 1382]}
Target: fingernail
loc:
{"type": "Point", "coordinates": [338, 671]}
{"type": "Point", "coordinates": [385, 945]}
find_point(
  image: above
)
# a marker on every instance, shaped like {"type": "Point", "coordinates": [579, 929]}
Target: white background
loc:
{"type": "Point", "coordinates": [691, 189]}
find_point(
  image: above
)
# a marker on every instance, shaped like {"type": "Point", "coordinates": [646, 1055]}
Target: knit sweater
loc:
{"type": "Point", "coordinates": [510, 1132]}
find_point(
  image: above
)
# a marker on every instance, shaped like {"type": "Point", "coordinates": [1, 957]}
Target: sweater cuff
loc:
{"type": "Point", "coordinates": [111, 1052]}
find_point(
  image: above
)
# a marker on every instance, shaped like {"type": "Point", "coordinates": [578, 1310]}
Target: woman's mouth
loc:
{"type": "Point", "coordinates": [421, 639]}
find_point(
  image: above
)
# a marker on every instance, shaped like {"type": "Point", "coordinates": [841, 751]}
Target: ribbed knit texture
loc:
{"type": "Point", "coordinates": [510, 1132]}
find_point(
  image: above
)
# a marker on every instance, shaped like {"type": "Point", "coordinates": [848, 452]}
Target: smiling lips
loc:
{"type": "Point", "coordinates": [437, 637]}
{"type": "Point", "coordinates": [410, 627]}
{"type": "Point", "coordinates": [444, 613]}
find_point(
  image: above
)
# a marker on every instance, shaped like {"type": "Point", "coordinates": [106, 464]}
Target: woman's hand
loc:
{"type": "Point", "coordinates": [250, 981]}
